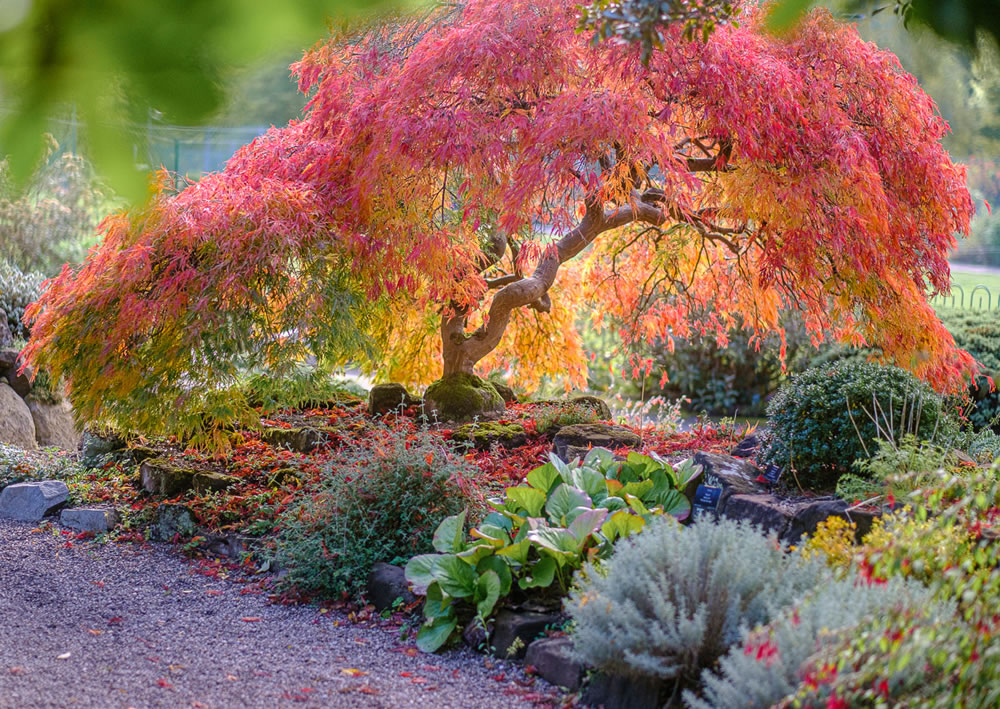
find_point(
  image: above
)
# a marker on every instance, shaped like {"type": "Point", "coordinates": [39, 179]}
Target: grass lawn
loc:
{"type": "Point", "coordinates": [968, 282]}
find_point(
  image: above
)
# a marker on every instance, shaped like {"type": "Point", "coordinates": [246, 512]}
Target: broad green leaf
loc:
{"type": "Point", "coordinates": [487, 593]}
{"type": "Point", "coordinates": [434, 634]}
{"type": "Point", "coordinates": [557, 541]}
{"type": "Point", "coordinates": [501, 568]}
{"type": "Point", "coordinates": [516, 552]}
{"type": "Point", "coordinates": [450, 535]}
{"type": "Point", "coordinates": [587, 523]}
{"type": "Point", "coordinates": [418, 569]}
{"type": "Point", "coordinates": [614, 486]}
{"type": "Point", "coordinates": [476, 553]}
{"type": "Point", "coordinates": [436, 603]}
{"type": "Point", "coordinates": [576, 512]}
{"type": "Point", "coordinates": [527, 499]}
{"type": "Point", "coordinates": [676, 504]}
{"type": "Point", "coordinates": [498, 520]}
{"type": "Point", "coordinates": [543, 478]}
{"type": "Point", "coordinates": [639, 489]}
{"type": "Point", "coordinates": [636, 504]}
{"type": "Point", "coordinates": [600, 458]}
{"type": "Point", "coordinates": [591, 482]}
{"type": "Point", "coordinates": [613, 504]}
{"type": "Point", "coordinates": [541, 574]}
{"type": "Point", "coordinates": [564, 469]}
{"type": "Point", "coordinates": [563, 499]}
{"type": "Point", "coordinates": [496, 536]}
{"type": "Point", "coordinates": [642, 463]}
{"type": "Point", "coordinates": [622, 524]}
{"type": "Point", "coordinates": [687, 473]}
{"type": "Point", "coordinates": [456, 577]}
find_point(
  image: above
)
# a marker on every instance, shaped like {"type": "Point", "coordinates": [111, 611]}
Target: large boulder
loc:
{"type": "Point", "coordinates": [30, 502]}
{"type": "Point", "coordinates": [17, 428]}
{"type": "Point", "coordinates": [575, 440]}
{"type": "Point", "coordinates": [462, 397]}
{"type": "Point", "coordinates": [54, 425]}
{"type": "Point", "coordinates": [595, 404]}
{"type": "Point", "coordinates": [386, 398]}
{"type": "Point", "coordinates": [99, 447]}
{"type": "Point", "coordinates": [160, 476]}
{"type": "Point", "coordinates": [89, 519]}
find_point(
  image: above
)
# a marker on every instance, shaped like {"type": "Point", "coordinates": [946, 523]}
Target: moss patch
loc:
{"type": "Point", "coordinates": [461, 397]}
{"type": "Point", "coordinates": [483, 435]}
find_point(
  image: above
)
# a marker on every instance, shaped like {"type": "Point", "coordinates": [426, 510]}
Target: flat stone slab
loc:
{"type": "Point", "coordinates": [554, 662]}
{"type": "Point", "coordinates": [30, 502]}
{"type": "Point", "coordinates": [89, 519]}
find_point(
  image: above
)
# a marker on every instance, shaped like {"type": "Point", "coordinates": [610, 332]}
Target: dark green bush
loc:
{"type": "Point", "coordinates": [379, 500]}
{"type": "Point", "coordinates": [17, 290]}
{"type": "Point", "coordinates": [978, 332]}
{"type": "Point", "coordinates": [812, 428]}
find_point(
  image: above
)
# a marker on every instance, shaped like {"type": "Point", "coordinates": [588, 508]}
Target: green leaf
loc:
{"type": "Point", "coordinates": [516, 552]}
{"type": "Point", "coordinates": [434, 634]}
{"type": "Point", "coordinates": [496, 536]}
{"type": "Point", "coordinates": [436, 603]}
{"type": "Point", "coordinates": [642, 463]}
{"type": "Point", "coordinates": [636, 504]}
{"type": "Point", "coordinates": [639, 489]}
{"type": "Point", "coordinates": [543, 478]}
{"type": "Point", "coordinates": [418, 569]}
{"type": "Point", "coordinates": [528, 499]}
{"type": "Point", "coordinates": [541, 575]}
{"type": "Point", "coordinates": [599, 458]}
{"type": "Point", "coordinates": [613, 504]}
{"type": "Point", "coordinates": [686, 473]}
{"type": "Point", "coordinates": [622, 524]}
{"type": "Point", "coordinates": [676, 504]}
{"type": "Point", "coordinates": [499, 520]}
{"type": "Point", "coordinates": [501, 568]}
{"type": "Point", "coordinates": [587, 523]}
{"type": "Point", "coordinates": [487, 593]}
{"type": "Point", "coordinates": [456, 577]}
{"type": "Point", "coordinates": [563, 499]}
{"type": "Point", "coordinates": [476, 553]}
{"type": "Point", "coordinates": [591, 482]}
{"type": "Point", "coordinates": [557, 542]}
{"type": "Point", "coordinates": [450, 534]}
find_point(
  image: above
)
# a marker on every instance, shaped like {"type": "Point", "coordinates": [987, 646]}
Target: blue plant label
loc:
{"type": "Point", "coordinates": [706, 498]}
{"type": "Point", "coordinates": [772, 473]}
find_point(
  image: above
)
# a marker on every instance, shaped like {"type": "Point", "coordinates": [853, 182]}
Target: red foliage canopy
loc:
{"type": "Point", "coordinates": [449, 168]}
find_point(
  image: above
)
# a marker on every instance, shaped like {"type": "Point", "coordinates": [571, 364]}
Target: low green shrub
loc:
{"type": "Point", "coordinates": [540, 533]}
{"type": "Point", "coordinates": [378, 500]}
{"type": "Point", "coordinates": [978, 333]}
{"type": "Point", "coordinates": [824, 419]}
{"type": "Point", "coordinates": [550, 417]}
{"type": "Point", "coordinates": [18, 289]}
{"type": "Point", "coordinates": [671, 601]}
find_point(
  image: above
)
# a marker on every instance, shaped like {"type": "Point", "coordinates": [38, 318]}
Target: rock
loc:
{"type": "Point", "coordinates": [161, 477]}
{"type": "Point", "coordinates": [573, 440]}
{"type": "Point", "coordinates": [172, 520]}
{"type": "Point", "coordinates": [386, 398]}
{"type": "Point", "coordinates": [595, 404]}
{"type": "Point", "coordinates": [461, 397]}
{"type": "Point", "coordinates": [54, 425]}
{"type": "Point", "coordinates": [301, 440]}
{"type": "Point", "coordinates": [766, 511]}
{"type": "Point", "coordinates": [213, 482]}
{"type": "Point", "coordinates": [505, 392]}
{"type": "Point", "coordinates": [17, 428]}
{"type": "Point", "coordinates": [514, 630]}
{"type": "Point", "coordinates": [8, 358]}
{"type": "Point", "coordinates": [808, 515]}
{"type": "Point", "coordinates": [748, 447]}
{"type": "Point", "coordinates": [483, 436]}
{"type": "Point", "coordinates": [137, 454]}
{"type": "Point", "coordinates": [29, 502]}
{"type": "Point", "coordinates": [6, 338]}
{"type": "Point", "coordinates": [20, 381]}
{"type": "Point", "coordinates": [386, 583]}
{"type": "Point", "coordinates": [612, 692]}
{"type": "Point", "coordinates": [736, 476]}
{"type": "Point", "coordinates": [89, 519]}
{"type": "Point", "coordinates": [231, 546]}
{"type": "Point", "coordinates": [97, 447]}
{"type": "Point", "coordinates": [554, 662]}
{"type": "Point", "coordinates": [476, 635]}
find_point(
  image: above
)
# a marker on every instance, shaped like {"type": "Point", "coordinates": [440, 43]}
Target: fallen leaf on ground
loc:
{"type": "Point", "coordinates": [64, 656]}
{"type": "Point", "coordinates": [162, 682]}
{"type": "Point", "coordinates": [351, 671]}
{"type": "Point", "coordinates": [250, 619]}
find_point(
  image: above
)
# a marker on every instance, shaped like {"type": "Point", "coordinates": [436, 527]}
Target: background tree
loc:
{"type": "Point", "coordinates": [451, 169]}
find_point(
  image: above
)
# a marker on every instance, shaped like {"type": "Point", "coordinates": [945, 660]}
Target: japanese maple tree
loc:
{"type": "Point", "coordinates": [465, 185]}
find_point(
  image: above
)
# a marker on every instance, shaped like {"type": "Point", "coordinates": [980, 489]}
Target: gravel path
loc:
{"type": "Point", "coordinates": [122, 626]}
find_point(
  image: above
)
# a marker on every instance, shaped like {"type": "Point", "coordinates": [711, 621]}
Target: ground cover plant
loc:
{"type": "Point", "coordinates": [539, 534]}
{"type": "Point", "coordinates": [424, 231]}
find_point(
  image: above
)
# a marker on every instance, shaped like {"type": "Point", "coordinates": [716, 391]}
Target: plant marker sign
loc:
{"type": "Point", "coordinates": [706, 500]}
{"type": "Point", "coordinates": [771, 474]}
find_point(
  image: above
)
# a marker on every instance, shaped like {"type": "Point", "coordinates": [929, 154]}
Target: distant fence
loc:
{"type": "Point", "coordinates": [979, 298]}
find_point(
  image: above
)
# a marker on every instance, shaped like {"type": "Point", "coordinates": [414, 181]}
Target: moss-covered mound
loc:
{"type": "Point", "coordinates": [484, 435]}
{"type": "Point", "coordinates": [462, 397]}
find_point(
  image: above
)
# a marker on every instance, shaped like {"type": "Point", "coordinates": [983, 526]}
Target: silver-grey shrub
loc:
{"type": "Point", "coordinates": [766, 667]}
{"type": "Point", "coordinates": [671, 600]}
